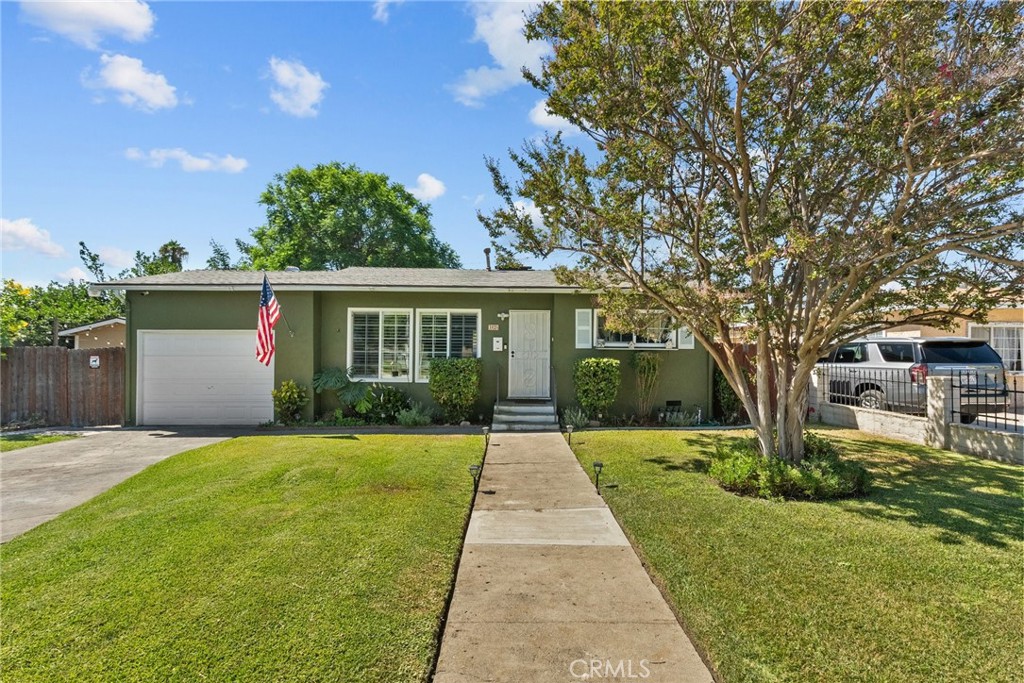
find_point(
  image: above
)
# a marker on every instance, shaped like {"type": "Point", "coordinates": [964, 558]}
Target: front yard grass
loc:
{"type": "Point", "coordinates": [923, 580]}
{"type": "Point", "coordinates": [15, 441]}
{"type": "Point", "coordinates": [297, 558]}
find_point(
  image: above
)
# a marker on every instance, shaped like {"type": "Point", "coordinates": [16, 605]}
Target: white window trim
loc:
{"type": "Point", "coordinates": [577, 328]}
{"type": "Point", "coordinates": [380, 349]}
{"type": "Point", "coordinates": [674, 338]}
{"type": "Point", "coordinates": [438, 311]}
{"type": "Point", "coordinates": [1020, 326]}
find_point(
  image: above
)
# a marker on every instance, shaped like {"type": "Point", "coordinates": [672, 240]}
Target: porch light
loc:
{"type": "Point", "coordinates": [598, 466]}
{"type": "Point", "coordinates": [569, 429]}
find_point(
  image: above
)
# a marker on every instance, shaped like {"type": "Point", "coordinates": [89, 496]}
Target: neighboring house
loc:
{"type": "Point", "coordinates": [1004, 331]}
{"type": "Point", "coordinates": [192, 337]}
{"type": "Point", "coordinates": [99, 335]}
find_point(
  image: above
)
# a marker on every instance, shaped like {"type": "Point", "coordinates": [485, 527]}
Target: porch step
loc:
{"type": "Point", "coordinates": [526, 415]}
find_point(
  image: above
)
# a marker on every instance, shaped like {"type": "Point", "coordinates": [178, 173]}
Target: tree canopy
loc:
{"type": "Point", "coordinates": [815, 171]}
{"type": "Point", "coordinates": [334, 216]}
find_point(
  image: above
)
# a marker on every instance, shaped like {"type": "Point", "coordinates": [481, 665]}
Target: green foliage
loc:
{"type": "Point", "coordinates": [334, 216]}
{"type": "Point", "coordinates": [681, 418]}
{"type": "Point", "coordinates": [15, 302]}
{"type": "Point", "coordinates": [455, 386]}
{"type": "Point", "coordinates": [28, 313]}
{"type": "Point", "coordinates": [730, 408]}
{"type": "Point", "coordinates": [343, 420]}
{"type": "Point", "coordinates": [815, 171]}
{"type": "Point", "coordinates": [646, 366]}
{"type": "Point", "coordinates": [575, 416]}
{"type": "Point", "coordinates": [289, 401]}
{"type": "Point", "coordinates": [382, 403]}
{"type": "Point", "coordinates": [416, 415]}
{"type": "Point", "coordinates": [822, 474]}
{"type": "Point", "coordinates": [597, 383]}
{"type": "Point", "coordinates": [348, 391]}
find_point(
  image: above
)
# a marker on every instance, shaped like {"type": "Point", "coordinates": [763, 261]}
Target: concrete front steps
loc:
{"type": "Point", "coordinates": [525, 416]}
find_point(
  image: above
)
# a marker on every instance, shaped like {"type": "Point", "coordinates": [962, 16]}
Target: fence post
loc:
{"type": "Point", "coordinates": [940, 407]}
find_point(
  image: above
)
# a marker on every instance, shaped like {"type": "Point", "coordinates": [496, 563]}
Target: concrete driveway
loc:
{"type": "Point", "coordinates": [40, 482]}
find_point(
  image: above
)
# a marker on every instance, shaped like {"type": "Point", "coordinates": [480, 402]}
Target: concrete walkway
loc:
{"type": "Point", "coordinates": [40, 482]}
{"type": "Point", "coordinates": [548, 588]}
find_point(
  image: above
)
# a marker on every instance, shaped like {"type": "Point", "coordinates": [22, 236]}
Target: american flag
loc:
{"type": "Point", "coordinates": [270, 311]}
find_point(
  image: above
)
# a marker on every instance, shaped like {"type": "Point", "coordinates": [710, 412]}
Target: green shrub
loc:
{"type": "Point", "coordinates": [289, 401]}
{"type": "Point", "coordinates": [646, 366]}
{"type": "Point", "coordinates": [381, 404]}
{"type": "Point", "coordinates": [343, 420]}
{"type": "Point", "coordinates": [679, 418]}
{"type": "Point", "coordinates": [575, 416]}
{"type": "Point", "coordinates": [823, 474]}
{"type": "Point", "coordinates": [455, 386]}
{"type": "Point", "coordinates": [416, 415]}
{"type": "Point", "coordinates": [597, 383]}
{"type": "Point", "coordinates": [728, 406]}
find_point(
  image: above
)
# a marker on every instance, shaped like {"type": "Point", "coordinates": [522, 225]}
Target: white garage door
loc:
{"type": "Point", "coordinates": [208, 377]}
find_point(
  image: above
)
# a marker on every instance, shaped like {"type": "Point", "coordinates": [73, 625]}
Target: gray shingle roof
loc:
{"type": "Point", "coordinates": [349, 278]}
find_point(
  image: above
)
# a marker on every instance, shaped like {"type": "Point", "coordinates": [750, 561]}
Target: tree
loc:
{"type": "Point", "coordinates": [15, 302]}
{"type": "Point", "coordinates": [169, 258]}
{"type": "Point", "coordinates": [173, 253]}
{"type": "Point", "coordinates": [36, 308]}
{"type": "Point", "coordinates": [334, 216]}
{"type": "Point", "coordinates": [817, 171]}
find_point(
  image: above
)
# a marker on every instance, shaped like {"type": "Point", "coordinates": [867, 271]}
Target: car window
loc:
{"type": "Point", "coordinates": [896, 353]}
{"type": "Point", "coordinates": [959, 352]}
{"type": "Point", "coordinates": [851, 353]}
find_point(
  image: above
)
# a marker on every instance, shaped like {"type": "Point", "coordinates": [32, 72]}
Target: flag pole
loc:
{"type": "Point", "coordinates": [291, 332]}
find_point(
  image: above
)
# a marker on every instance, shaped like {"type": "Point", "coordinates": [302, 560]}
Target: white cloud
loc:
{"type": "Point", "coordinates": [298, 90]}
{"type": "Point", "coordinates": [540, 116]}
{"type": "Point", "coordinates": [382, 9]}
{"type": "Point", "coordinates": [21, 234]}
{"type": "Point", "coordinates": [135, 86]}
{"type": "Point", "coordinates": [73, 273]}
{"type": "Point", "coordinates": [188, 162]}
{"type": "Point", "coordinates": [530, 209]}
{"type": "Point", "coordinates": [500, 26]}
{"type": "Point", "coordinates": [86, 23]}
{"type": "Point", "coordinates": [115, 257]}
{"type": "Point", "coordinates": [427, 188]}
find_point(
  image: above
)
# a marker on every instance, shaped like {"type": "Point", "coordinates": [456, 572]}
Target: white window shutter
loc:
{"type": "Point", "coordinates": [584, 329]}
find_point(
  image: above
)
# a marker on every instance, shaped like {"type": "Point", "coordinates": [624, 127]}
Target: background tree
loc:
{"type": "Point", "coordinates": [817, 171]}
{"type": "Point", "coordinates": [333, 216]}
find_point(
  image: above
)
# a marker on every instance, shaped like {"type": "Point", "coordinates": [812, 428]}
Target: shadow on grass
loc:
{"type": "Point", "coordinates": [693, 465]}
{"type": "Point", "coordinates": [346, 437]}
{"type": "Point", "coordinates": [956, 496]}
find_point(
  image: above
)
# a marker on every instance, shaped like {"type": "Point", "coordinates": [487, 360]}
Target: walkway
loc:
{"type": "Point", "coordinates": [548, 588]}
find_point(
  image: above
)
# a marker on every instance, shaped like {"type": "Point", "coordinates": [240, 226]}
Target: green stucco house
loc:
{"type": "Point", "coordinates": [191, 340]}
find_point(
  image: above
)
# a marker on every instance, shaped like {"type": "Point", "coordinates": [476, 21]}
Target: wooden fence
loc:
{"type": "Point", "coordinates": [51, 385]}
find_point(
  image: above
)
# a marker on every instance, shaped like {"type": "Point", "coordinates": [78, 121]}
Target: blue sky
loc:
{"type": "Point", "coordinates": [126, 124]}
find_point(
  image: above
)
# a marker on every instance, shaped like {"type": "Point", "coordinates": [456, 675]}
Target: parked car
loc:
{"type": "Point", "coordinates": [891, 374]}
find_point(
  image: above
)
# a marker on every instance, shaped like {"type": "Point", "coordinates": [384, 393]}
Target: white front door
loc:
{"type": "Point", "coordinates": [529, 354]}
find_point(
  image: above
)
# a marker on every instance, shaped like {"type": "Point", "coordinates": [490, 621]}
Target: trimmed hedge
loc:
{"type": "Point", "coordinates": [455, 386]}
{"type": "Point", "coordinates": [597, 383]}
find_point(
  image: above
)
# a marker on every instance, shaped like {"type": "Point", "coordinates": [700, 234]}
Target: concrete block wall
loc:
{"type": "Point", "coordinates": [934, 429]}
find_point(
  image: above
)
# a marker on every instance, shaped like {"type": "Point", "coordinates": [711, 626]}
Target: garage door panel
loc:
{"type": "Point", "coordinates": [203, 378]}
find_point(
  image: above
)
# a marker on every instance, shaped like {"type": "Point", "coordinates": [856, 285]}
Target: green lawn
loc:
{"type": "Point", "coordinates": [16, 441]}
{"type": "Point", "coordinates": [923, 580]}
{"type": "Point", "coordinates": [293, 558]}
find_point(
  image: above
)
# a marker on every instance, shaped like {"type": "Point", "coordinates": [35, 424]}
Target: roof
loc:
{"type": "Point", "coordinates": [349, 279]}
{"type": "Point", "coordinates": [91, 326]}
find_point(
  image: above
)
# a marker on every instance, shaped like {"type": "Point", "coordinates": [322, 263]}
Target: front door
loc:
{"type": "Point", "coordinates": [529, 354]}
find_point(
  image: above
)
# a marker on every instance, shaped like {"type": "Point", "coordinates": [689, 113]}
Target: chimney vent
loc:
{"type": "Point", "coordinates": [487, 255]}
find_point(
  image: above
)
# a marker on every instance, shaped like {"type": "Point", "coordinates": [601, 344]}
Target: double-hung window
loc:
{"type": "Point", "coordinates": [380, 344]}
{"type": "Point", "coordinates": [660, 332]}
{"type": "Point", "coordinates": [445, 334]}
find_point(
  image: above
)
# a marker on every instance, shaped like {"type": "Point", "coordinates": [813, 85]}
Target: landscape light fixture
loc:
{"type": "Point", "coordinates": [598, 466]}
{"type": "Point", "coordinates": [487, 436]}
{"type": "Point", "coordinates": [474, 471]}
{"type": "Point", "coordinates": [569, 429]}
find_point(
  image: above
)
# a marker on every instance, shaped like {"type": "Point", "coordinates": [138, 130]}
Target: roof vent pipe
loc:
{"type": "Point", "coordinates": [487, 255]}
{"type": "Point", "coordinates": [291, 269]}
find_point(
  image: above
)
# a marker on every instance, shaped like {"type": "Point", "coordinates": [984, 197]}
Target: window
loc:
{"type": "Point", "coordinates": [379, 344]}
{"type": "Point", "coordinates": [661, 333]}
{"type": "Point", "coordinates": [584, 328]}
{"type": "Point", "coordinates": [1007, 340]}
{"type": "Point", "coordinates": [958, 352]}
{"type": "Point", "coordinates": [446, 334]}
{"type": "Point", "coordinates": [896, 353]}
{"type": "Point", "coordinates": [851, 353]}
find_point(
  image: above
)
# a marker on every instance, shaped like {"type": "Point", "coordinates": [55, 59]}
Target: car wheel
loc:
{"type": "Point", "coordinates": [872, 398]}
{"type": "Point", "coordinates": [968, 418]}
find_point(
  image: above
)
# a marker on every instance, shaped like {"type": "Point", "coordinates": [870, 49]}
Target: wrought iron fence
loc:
{"type": "Point", "coordinates": [987, 402]}
{"type": "Point", "coordinates": [902, 390]}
